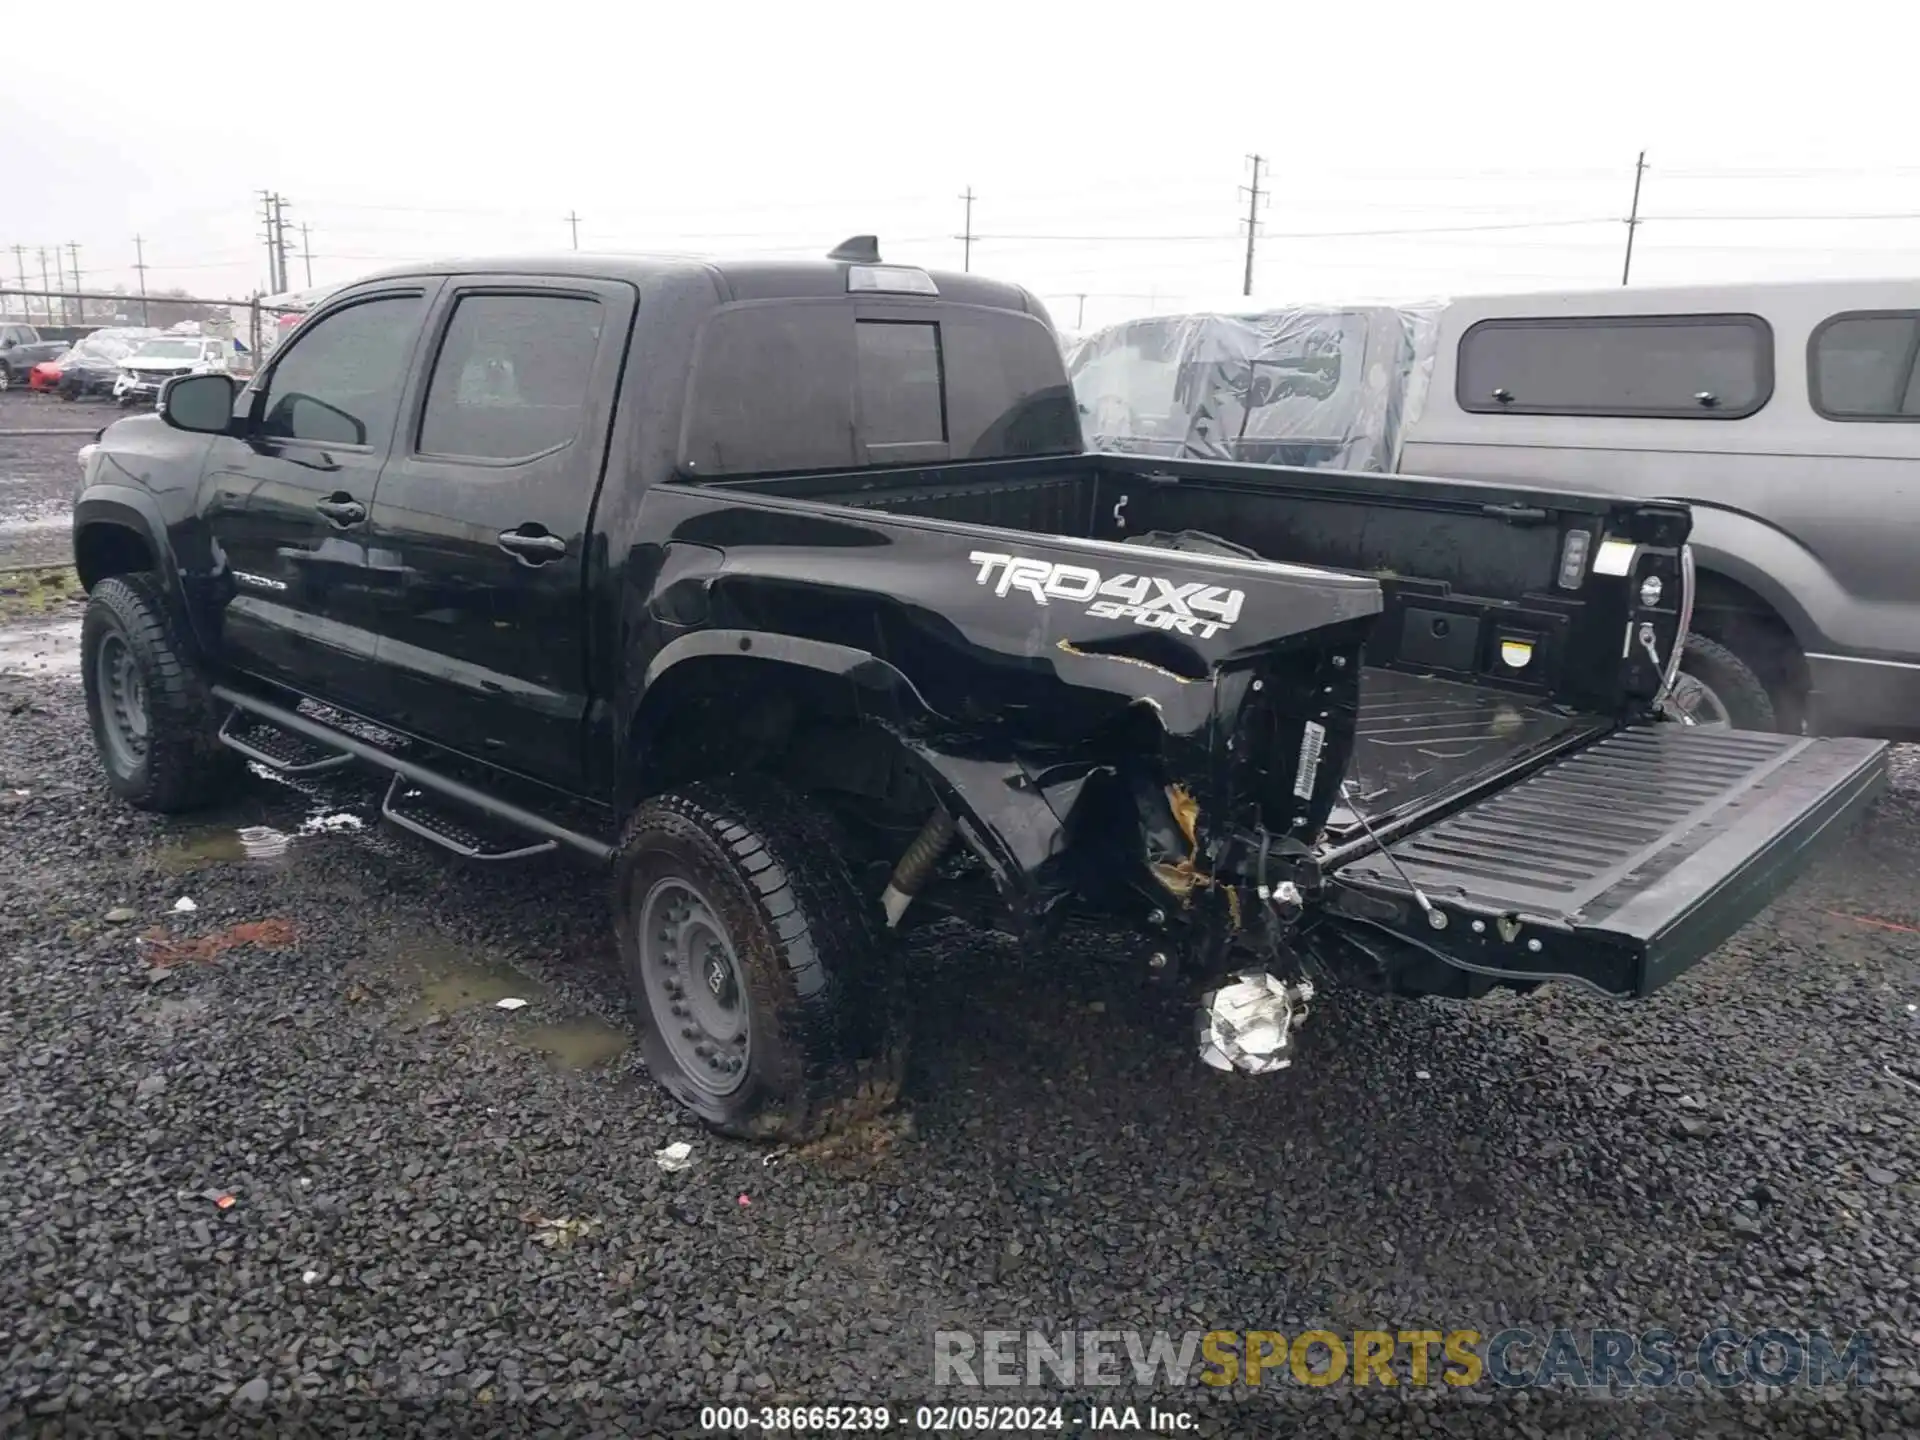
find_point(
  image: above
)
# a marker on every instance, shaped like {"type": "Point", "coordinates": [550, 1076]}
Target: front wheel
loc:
{"type": "Point", "coordinates": [753, 965]}
{"type": "Point", "coordinates": [154, 723]}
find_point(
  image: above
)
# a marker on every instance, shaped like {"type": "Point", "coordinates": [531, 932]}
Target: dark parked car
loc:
{"type": "Point", "coordinates": [21, 348]}
{"type": "Point", "coordinates": [787, 593]}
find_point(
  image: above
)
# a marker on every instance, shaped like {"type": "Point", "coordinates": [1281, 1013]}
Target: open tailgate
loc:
{"type": "Point", "coordinates": [1623, 863]}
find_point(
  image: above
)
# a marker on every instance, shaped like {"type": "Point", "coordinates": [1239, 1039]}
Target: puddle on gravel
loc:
{"type": "Point", "coordinates": [193, 847]}
{"type": "Point", "coordinates": [40, 649]}
{"type": "Point", "coordinates": [450, 979]}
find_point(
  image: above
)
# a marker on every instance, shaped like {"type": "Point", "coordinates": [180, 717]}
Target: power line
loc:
{"type": "Point", "coordinates": [1780, 219]}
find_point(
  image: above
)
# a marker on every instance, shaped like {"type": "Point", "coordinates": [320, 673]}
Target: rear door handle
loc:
{"type": "Point", "coordinates": [342, 509]}
{"type": "Point", "coordinates": [532, 548]}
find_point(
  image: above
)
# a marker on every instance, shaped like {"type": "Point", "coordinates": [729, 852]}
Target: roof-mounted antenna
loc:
{"type": "Point", "coordinates": [858, 250]}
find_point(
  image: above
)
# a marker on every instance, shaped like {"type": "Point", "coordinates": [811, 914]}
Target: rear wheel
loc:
{"type": "Point", "coordinates": [154, 723]}
{"type": "Point", "coordinates": [6, 377]}
{"type": "Point", "coordinates": [1717, 690]}
{"type": "Point", "coordinates": [753, 965]}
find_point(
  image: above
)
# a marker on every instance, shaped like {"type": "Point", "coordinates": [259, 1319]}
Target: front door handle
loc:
{"type": "Point", "coordinates": [342, 509]}
{"type": "Point", "coordinates": [532, 547]}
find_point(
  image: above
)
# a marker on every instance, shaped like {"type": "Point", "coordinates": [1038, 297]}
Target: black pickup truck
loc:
{"type": "Point", "coordinates": [788, 592]}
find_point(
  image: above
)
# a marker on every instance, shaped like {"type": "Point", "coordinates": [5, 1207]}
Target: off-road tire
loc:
{"type": "Point", "coordinates": [1740, 690]}
{"type": "Point", "coordinates": [185, 766]}
{"type": "Point", "coordinates": [824, 1003]}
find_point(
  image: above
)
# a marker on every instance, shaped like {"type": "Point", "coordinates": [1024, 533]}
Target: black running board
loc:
{"type": "Point", "coordinates": [281, 751]}
{"type": "Point", "coordinates": [414, 809]}
{"type": "Point", "coordinates": [1622, 864]}
{"type": "Point", "coordinates": [425, 777]}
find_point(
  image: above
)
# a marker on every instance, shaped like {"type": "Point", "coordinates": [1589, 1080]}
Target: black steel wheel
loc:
{"type": "Point", "coordinates": [758, 980]}
{"type": "Point", "coordinates": [154, 723]}
{"type": "Point", "coordinates": [692, 976]}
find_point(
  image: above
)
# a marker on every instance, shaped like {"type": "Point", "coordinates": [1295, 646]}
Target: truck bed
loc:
{"type": "Point", "coordinates": [1420, 738]}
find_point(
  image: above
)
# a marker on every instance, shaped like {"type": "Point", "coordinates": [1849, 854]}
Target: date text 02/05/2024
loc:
{"type": "Point", "coordinates": [942, 1419]}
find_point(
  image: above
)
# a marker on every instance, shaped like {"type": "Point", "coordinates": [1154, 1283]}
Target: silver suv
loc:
{"type": "Point", "coordinates": [1787, 415]}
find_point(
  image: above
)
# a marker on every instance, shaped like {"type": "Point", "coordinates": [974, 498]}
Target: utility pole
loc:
{"type": "Point", "coordinates": [20, 262]}
{"type": "Point", "coordinates": [1633, 219]}
{"type": "Point", "coordinates": [1080, 315]}
{"type": "Point", "coordinates": [46, 301]}
{"type": "Point", "coordinates": [966, 237]}
{"type": "Point", "coordinates": [273, 252]}
{"type": "Point", "coordinates": [574, 221]}
{"type": "Point", "coordinates": [1253, 219]}
{"type": "Point", "coordinates": [60, 284]}
{"type": "Point", "coordinates": [140, 265]}
{"type": "Point", "coordinates": [306, 251]}
{"type": "Point", "coordinates": [79, 305]}
{"type": "Point", "coordinates": [280, 239]}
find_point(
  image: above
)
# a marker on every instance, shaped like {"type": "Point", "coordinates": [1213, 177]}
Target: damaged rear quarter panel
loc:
{"type": "Point", "coordinates": [1022, 671]}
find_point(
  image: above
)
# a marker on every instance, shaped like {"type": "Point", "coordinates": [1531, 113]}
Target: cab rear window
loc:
{"type": "Point", "coordinates": [797, 385]}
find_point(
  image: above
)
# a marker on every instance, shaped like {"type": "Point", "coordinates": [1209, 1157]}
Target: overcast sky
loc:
{"type": "Point", "coordinates": [1117, 131]}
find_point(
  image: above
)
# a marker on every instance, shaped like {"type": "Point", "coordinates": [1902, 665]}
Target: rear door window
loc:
{"type": "Point", "coordinates": [1694, 367]}
{"type": "Point", "coordinates": [1861, 366]}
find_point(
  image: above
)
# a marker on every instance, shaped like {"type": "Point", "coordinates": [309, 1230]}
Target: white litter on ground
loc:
{"type": "Point", "coordinates": [184, 906]}
{"type": "Point", "coordinates": [677, 1156]}
{"type": "Point", "coordinates": [512, 1002]}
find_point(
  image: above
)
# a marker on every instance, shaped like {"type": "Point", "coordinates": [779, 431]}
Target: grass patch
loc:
{"type": "Point", "coordinates": [37, 591]}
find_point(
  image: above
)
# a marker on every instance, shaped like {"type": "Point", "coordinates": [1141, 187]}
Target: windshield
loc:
{"type": "Point", "coordinates": [168, 350]}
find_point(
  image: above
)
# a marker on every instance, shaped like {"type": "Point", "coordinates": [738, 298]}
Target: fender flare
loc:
{"type": "Point", "coordinates": [129, 509]}
{"type": "Point", "coordinates": [136, 510]}
{"type": "Point", "coordinates": [1772, 564]}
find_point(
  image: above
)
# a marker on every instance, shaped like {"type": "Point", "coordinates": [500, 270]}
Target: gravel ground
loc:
{"type": "Point", "coordinates": [453, 1210]}
{"type": "Point", "coordinates": [38, 472]}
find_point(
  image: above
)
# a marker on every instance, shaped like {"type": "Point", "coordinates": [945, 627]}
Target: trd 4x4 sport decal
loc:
{"type": "Point", "coordinates": [1194, 608]}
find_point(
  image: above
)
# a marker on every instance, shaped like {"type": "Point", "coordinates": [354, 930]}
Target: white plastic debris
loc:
{"type": "Point", "coordinates": [512, 1002]}
{"type": "Point", "coordinates": [677, 1156]}
{"type": "Point", "coordinates": [262, 842]}
{"type": "Point", "coordinates": [309, 1277]}
{"type": "Point", "coordinates": [1423, 1074]}
{"type": "Point", "coordinates": [1244, 1025]}
{"type": "Point", "coordinates": [184, 905]}
{"type": "Point", "coordinates": [334, 824]}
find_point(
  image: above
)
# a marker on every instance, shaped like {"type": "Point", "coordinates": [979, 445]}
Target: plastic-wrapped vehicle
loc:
{"type": "Point", "coordinates": [92, 365]}
{"type": "Point", "coordinates": [1312, 387]}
